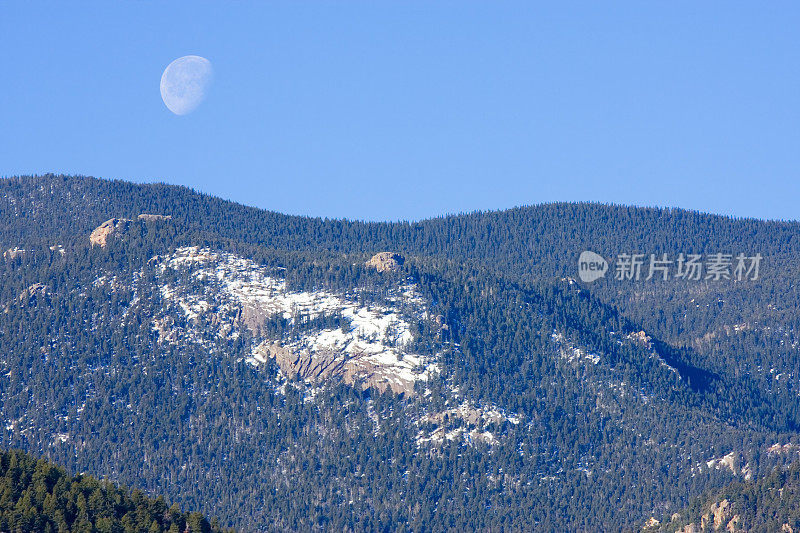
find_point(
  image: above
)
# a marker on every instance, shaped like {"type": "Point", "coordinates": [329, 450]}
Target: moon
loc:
{"type": "Point", "coordinates": [185, 82]}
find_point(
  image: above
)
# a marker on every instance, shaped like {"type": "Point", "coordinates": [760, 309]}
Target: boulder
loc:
{"type": "Point", "coordinates": [386, 261]}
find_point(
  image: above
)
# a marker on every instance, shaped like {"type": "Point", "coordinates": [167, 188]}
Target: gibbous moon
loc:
{"type": "Point", "coordinates": [185, 82]}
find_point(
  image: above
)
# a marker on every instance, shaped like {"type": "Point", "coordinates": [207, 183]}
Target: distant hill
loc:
{"type": "Point", "coordinates": [38, 496]}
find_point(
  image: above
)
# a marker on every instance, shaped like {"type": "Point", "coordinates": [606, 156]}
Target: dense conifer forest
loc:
{"type": "Point", "coordinates": [618, 398]}
{"type": "Point", "coordinates": [763, 505]}
{"type": "Point", "coordinates": [38, 496]}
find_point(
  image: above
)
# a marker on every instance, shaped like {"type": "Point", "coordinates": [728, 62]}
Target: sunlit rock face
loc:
{"type": "Point", "coordinates": [105, 231]}
{"type": "Point", "coordinates": [220, 295]}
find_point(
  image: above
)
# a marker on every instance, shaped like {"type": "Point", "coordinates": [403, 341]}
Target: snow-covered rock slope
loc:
{"type": "Point", "coordinates": [217, 295]}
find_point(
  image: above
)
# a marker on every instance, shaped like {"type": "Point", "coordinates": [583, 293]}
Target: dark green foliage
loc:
{"type": "Point", "coordinates": [278, 327]}
{"type": "Point", "coordinates": [36, 496]}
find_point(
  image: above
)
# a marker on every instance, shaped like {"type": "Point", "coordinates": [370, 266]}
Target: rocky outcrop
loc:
{"type": "Point", "coordinates": [732, 462]}
{"type": "Point", "coordinates": [117, 227]}
{"type": "Point", "coordinates": [719, 517]}
{"type": "Point", "coordinates": [102, 233]}
{"type": "Point", "coordinates": [386, 261]}
{"type": "Point", "coordinates": [641, 338]}
{"type": "Point", "coordinates": [34, 295]}
{"type": "Point", "coordinates": [467, 421]}
{"type": "Point", "coordinates": [147, 217]}
{"type": "Point", "coordinates": [33, 291]}
{"type": "Point", "coordinates": [468, 414]}
{"type": "Point", "coordinates": [651, 524]}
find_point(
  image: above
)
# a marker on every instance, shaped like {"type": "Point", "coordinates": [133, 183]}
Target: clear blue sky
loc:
{"type": "Point", "coordinates": [405, 110]}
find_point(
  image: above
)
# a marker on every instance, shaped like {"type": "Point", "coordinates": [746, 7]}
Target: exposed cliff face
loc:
{"type": "Point", "coordinates": [381, 373]}
{"type": "Point", "coordinates": [223, 295]}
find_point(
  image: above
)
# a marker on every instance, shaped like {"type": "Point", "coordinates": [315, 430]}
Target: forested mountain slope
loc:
{"type": "Point", "coordinates": [251, 365]}
{"type": "Point", "coordinates": [770, 503]}
{"type": "Point", "coordinates": [718, 322]}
